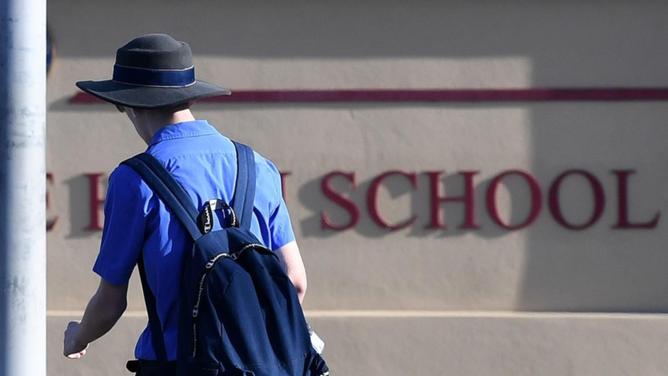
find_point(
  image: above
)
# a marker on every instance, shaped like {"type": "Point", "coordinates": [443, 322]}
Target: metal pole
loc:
{"type": "Point", "coordinates": [22, 188]}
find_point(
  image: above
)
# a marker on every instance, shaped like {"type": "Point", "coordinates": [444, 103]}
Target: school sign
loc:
{"type": "Point", "coordinates": [538, 198]}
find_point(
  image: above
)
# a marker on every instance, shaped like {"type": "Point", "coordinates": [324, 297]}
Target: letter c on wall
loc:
{"type": "Point", "coordinates": [372, 200]}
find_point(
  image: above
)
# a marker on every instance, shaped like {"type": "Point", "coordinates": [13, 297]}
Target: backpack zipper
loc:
{"type": "Point", "coordinates": [207, 268]}
{"type": "Point", "coordinates": [252, 245]}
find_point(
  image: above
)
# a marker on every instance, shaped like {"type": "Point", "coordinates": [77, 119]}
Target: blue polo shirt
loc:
{"type": "Point", "coordinates": [137, 223]}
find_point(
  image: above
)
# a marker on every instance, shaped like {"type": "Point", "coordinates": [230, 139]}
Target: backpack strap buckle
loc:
{"type": "Point", "coordinates": [206, 215]}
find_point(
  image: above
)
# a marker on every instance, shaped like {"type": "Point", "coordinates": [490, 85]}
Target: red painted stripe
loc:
{"type": "Point", "coordinates": [435, 95]}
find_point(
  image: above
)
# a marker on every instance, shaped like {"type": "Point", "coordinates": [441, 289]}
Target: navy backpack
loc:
{"type": "Point", "coordinates": [239, 312]}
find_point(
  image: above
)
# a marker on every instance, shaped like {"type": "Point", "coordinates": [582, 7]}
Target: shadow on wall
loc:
{"type": "Point", "coordinates": [600, 268]}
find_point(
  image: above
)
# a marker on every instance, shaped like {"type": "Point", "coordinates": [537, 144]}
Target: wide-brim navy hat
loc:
{"type": "Point", "coordinates": [152, 71]}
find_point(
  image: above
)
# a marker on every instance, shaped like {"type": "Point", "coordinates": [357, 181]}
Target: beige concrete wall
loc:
{"type": "Point", "coordinates": [468, 344]}
{"type": "Point", "coordinates": [453, 274]}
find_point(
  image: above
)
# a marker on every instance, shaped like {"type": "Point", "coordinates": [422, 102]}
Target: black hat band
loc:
{"type": "Point", "coordinates": [154, 77]}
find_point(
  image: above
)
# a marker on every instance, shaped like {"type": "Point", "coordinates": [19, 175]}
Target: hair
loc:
{"type": "Point", "coordinates": [178, 107]}
{"type": "Point", "coordinates": [168, 109]}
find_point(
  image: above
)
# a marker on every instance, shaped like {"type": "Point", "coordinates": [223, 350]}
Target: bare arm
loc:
{"type": "Point", "coordinates": [294, 267]}
{"type": "Point", "coordinates": [102, 312]}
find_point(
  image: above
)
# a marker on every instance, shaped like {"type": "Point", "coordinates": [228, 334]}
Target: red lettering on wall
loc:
{"type": "Point", "coordinates": [345, 203]}
{"type": "Point", "coordinates": [623, 220]}
{"type": "Point", "coordinates": [598, 195]}
{"type": "Point", "coordinates": [95, 223]}
{"type": "Point", "coordinates": [340, 195]}
{"type": "Point", "coordinates": [50, 222]}
{"type": "Point", "coordinates": [436, 200]}
{"type": "Point", "coordinates": [372, 200]}
{"type": "Point", "coordinates": [284, 176]}
{"type": "Point", "coordinates": [536, 199]}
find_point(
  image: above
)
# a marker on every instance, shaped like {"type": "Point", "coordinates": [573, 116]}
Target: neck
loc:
{"type": "Point", "coordinates": [148, 123]}
{"type": "Point", "coordinates": [181, 116]}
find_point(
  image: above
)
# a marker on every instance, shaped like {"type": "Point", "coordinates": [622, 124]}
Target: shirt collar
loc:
{"type": "Point", "coordinates": [183, 130]}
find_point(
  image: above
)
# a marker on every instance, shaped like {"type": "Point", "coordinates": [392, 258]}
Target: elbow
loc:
{"type": "Point", "coordinates": [301, 290]}
{"type": "Point", "coordinates": [300, 287]}
{"type": "Point", "coordinates": [121, 307]}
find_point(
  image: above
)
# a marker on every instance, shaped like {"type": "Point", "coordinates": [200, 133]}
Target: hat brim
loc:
{"type": "Point", "coordinates": [149, 97]}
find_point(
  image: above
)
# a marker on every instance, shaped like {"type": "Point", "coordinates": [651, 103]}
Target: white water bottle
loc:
{"type": "Point", "coordinates": [317, 342]}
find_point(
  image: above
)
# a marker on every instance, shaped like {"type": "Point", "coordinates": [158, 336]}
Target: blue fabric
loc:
{"type": "Point", "coordinates": [204, 162]}
{"type": "Point", "coordinates": [243, 204]}
{"type": "Point", "coordinates": [154, 77]}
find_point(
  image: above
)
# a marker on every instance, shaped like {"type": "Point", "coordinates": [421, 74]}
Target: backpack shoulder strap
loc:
{"type": "Point", "coordinates": [244, 190]}
{"type": "Point", "coordinates": [179, 204]}
{"type": "Point", "coordinates": [170, 192]}
{"type": "Point", "coordinates": [157, 336]}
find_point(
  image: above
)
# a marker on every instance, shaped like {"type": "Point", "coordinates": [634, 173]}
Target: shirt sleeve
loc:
{"type": "Point", "coordinates": [125, 214]}
{"type": "Point", "coordinates": [280, 226]}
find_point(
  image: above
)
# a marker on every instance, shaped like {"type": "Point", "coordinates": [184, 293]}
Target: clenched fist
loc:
{"type": "Point", "coordinates": [72, 348]}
